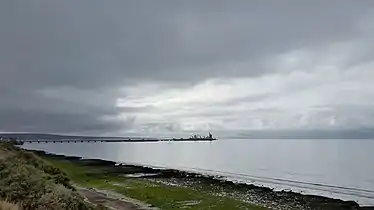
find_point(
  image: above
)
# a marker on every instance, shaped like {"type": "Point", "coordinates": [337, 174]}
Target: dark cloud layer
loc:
{"type": "Point", "coordinates": [63, 63]}
{"type": "Point", "coordinates": [89, 43]}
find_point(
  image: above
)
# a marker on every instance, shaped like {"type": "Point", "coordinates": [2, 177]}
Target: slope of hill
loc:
{"type": "Point", "coordinates": [28, 182]}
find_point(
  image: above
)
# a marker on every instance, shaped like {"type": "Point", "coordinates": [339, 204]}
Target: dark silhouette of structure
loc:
{"type": "Point", "coordinates": [195, 137]}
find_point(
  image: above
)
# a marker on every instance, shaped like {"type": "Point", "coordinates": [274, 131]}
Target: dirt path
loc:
{"type": "Point", "coordinates": [111, 200]}
{"type": "Point", "coordinates": [4, 154]}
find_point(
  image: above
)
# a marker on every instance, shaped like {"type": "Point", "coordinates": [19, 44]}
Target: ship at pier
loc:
{"type": "Point", "coordinates": [199, 137]}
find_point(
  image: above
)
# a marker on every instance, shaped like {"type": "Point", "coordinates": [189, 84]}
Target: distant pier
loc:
{"type": "Point", "coordinates": [19, 140]}
{"type": "Point", "coordinates": [112, 140]}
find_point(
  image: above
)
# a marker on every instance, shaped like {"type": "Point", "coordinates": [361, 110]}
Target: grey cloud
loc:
{"type": "Point", "coordinates": [130, 109]}
{"type": "Point", "coordinates": [17, 120]}
{"type": "Point", "coordinates": [247, 99]}
{"type": "Point", "coordinates": [91, 43]}
{"type": "Point", "coordinates": [95, 47]}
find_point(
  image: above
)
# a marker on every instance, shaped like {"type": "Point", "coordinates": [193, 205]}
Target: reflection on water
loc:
{"type": "Point", "coordinates": [334, 168]}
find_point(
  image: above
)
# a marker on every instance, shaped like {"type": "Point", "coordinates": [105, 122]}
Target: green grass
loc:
{"type": "Point", "coordinates": [160, 195]}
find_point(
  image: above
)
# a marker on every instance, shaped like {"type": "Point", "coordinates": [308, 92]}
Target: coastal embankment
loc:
{"type": "Point", "coordinates": [175, 189]}
{"type": "Point", "coordinates": [39, 180]}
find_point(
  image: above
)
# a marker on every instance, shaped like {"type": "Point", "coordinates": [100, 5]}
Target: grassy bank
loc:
{"type": "Point", "coordinates": [28, 182]}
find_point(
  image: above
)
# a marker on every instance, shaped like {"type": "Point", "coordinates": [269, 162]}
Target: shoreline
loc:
{"type": "Point", "coordinates": [257, 195]}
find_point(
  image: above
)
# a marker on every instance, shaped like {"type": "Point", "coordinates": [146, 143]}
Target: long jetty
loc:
{"type": "Point", "coordinates": [112, 140]}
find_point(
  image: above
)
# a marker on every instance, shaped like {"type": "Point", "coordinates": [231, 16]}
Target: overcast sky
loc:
{"type": "Point", "coordinates": [172, 67]}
